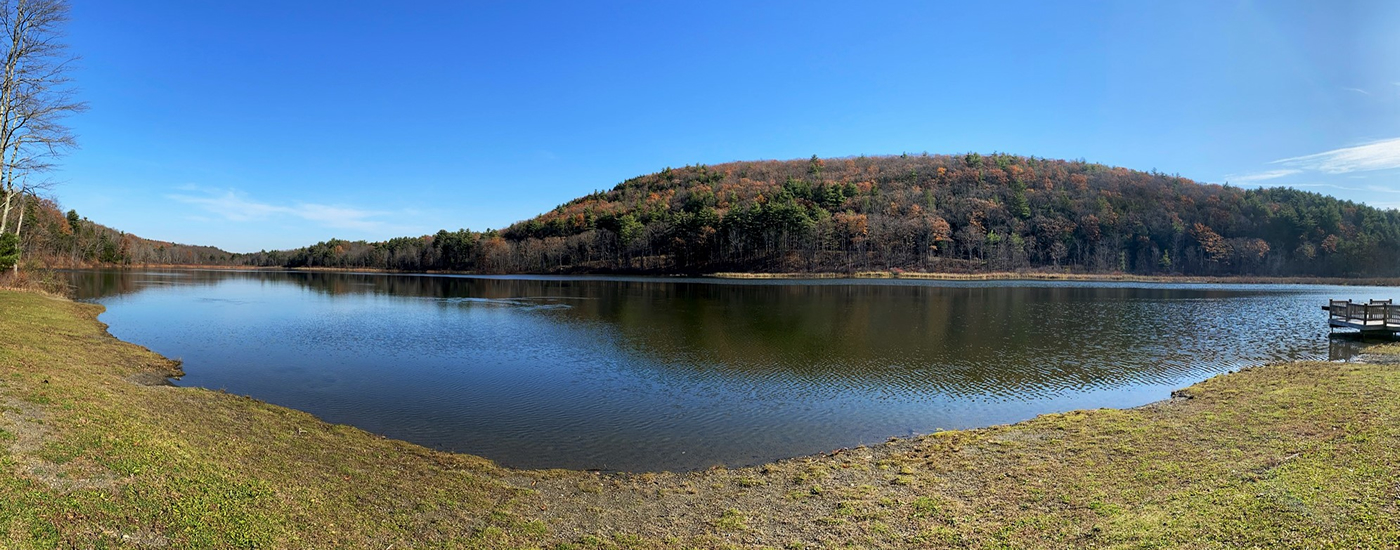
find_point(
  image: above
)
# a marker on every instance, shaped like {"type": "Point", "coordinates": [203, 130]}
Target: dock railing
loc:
{"type": "Point", "coordinates": [1378, 312]}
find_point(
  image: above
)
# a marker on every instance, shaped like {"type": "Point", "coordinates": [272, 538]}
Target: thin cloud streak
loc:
{"type": "Point", "coordinates": [1357, 90]}
{"type": "Point", "coordinates": [234, 206]}
{"type": "Point", "coordinates": [1378, 155]}
{"type": "Point", "coordinates": [1366, 189]}
{"type": "Point", "coordinates": [1262, 176]}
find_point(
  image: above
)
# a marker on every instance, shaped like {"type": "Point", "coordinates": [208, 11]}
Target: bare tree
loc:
{"type": "Point", "coordinates": [35, 96]}
{"type": "Point", "coordinates": [26, 191]}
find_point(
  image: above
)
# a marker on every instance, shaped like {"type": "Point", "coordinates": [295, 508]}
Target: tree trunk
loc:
{"type": "Point", "coordinates": [19, 250]}
{"type": "Point", "coordinates": [5, 218]}
{"type": "Point", "coordinates": [7, 174]}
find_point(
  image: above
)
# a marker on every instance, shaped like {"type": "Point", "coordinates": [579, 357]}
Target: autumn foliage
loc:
{"type": "Point", "coordinates": [929, 213]}
{"type": "Point", "coordinates": [963, 213]}
{"type": "Point", "coordinates": [54, 239]}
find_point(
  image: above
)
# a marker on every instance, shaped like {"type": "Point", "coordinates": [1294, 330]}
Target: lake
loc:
{"type": "Point", "coordinates": [639, 374]}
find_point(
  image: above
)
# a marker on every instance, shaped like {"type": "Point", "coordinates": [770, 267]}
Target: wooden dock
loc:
{"type": "Point", "coordinates": [1367, 317]}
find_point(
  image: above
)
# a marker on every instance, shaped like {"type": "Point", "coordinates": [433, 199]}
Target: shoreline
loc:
{"type": "Point", "coordinates": [857, 275]}
{"type": "Point", "coordinates": [75, 392]}
{"type": "Point", "coordinates": [1052, 276]}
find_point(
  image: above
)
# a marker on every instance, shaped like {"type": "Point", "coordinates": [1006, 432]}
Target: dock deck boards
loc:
{"type": "Point", "coordinates": [1375, 316]}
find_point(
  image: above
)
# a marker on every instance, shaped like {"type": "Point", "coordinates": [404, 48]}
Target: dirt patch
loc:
{"type": "Point", "coordinates": [1380, 359]}
{"type": "Point", "coordinates": [162, 376]}
{"type": "Point", "coordinates": [25, 421]}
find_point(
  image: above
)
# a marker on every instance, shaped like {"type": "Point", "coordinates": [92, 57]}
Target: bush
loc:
{"type": "Point", "coordinates": [9, 250]}
{"type": "Point", "coordinates": [34, 279]}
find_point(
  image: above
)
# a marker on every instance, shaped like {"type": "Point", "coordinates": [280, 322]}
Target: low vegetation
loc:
{"type": "Point", "coordinates": [94, 452]}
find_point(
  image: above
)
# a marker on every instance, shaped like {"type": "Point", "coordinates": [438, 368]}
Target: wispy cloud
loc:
{"type": "Point", "coordinates": [232, 205]}
{"type": "Point", "coordinates": [1377, 155]}
{"type": "Point", "coordinates": [1333, 186]}
{"type": "Point", "coordinates": [1357, 90]}
{"type": "Point", "coordinates": [1362, 189]}
{"type": "Point", "coordinates": [1262, 176]}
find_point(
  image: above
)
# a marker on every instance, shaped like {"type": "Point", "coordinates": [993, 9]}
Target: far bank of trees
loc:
{"type": "Point", "coordinates": [963, 213]}
{"type": "Point", "coordinates": [53, 238]}
{"type": "Point", "coordinates": [966, 213]}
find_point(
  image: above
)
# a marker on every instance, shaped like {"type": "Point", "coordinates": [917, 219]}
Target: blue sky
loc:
{"type": "Point", "coordinates": [252, 124]}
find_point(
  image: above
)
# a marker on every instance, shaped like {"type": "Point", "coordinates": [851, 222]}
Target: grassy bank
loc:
{"type": "Point", "coordinates": [1299, 454]}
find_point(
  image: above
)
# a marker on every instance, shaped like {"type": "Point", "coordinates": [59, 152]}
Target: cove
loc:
{"type": "Point", "coordinates": [642, 374]}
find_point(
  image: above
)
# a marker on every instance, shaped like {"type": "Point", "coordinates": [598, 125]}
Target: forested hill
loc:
{"type": "Point", "coordinates": [54, 239]}
{"type": "Point", "coordinates": [925, 213]}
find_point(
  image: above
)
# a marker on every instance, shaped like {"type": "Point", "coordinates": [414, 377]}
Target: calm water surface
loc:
{"type": "Point", "coordinates": [671, 374]}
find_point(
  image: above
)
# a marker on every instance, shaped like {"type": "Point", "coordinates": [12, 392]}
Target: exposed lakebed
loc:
{"type": "Point", "coordinates": [672, 374]}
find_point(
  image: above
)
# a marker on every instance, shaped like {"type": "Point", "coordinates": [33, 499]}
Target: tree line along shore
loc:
{"type": "Point", "coordinates": [798, 276]}
{"type": "Point", "coordinates": [1293, 454]}
{"type": "Point", "coordinates": [959, 214]}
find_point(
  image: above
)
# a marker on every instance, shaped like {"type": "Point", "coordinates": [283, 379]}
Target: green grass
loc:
{"type": "Point", "coordinates": [1294, 455]}
{"type": "Point", "coordinates": [94, 459]}
{"type": "Point", "coordinates": [1385, 349]}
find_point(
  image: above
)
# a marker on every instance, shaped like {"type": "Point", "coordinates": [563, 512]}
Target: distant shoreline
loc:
{"type": "Point", "coordinates": [895, 274]}
{"type": "Point", "coordinates": [1088, 277]}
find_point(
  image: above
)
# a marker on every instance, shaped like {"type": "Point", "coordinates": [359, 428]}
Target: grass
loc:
{"type": "Point", "coordinates": [100, 460]}
{"type": "Point", "coordinates": [1290, 455]}
{"type": "Point", "coordinates": [1391, 349]}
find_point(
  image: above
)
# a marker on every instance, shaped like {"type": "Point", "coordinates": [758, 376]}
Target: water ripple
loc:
{"type": "Point", "coordinates": [638, 374]}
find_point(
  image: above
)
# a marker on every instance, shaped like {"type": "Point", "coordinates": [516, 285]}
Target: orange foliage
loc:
{"type": "Point", "coordinates": [1215, 247]}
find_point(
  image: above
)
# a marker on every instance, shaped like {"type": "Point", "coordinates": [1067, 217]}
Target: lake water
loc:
{"type": "Point", "coordinates": [673, 374]}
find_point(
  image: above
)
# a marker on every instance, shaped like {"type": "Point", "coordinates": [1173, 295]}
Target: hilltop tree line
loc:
{"type": "Point", "coordinates": [965, 213]}
{"type": "Point", "coordinates": [962, 213]}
